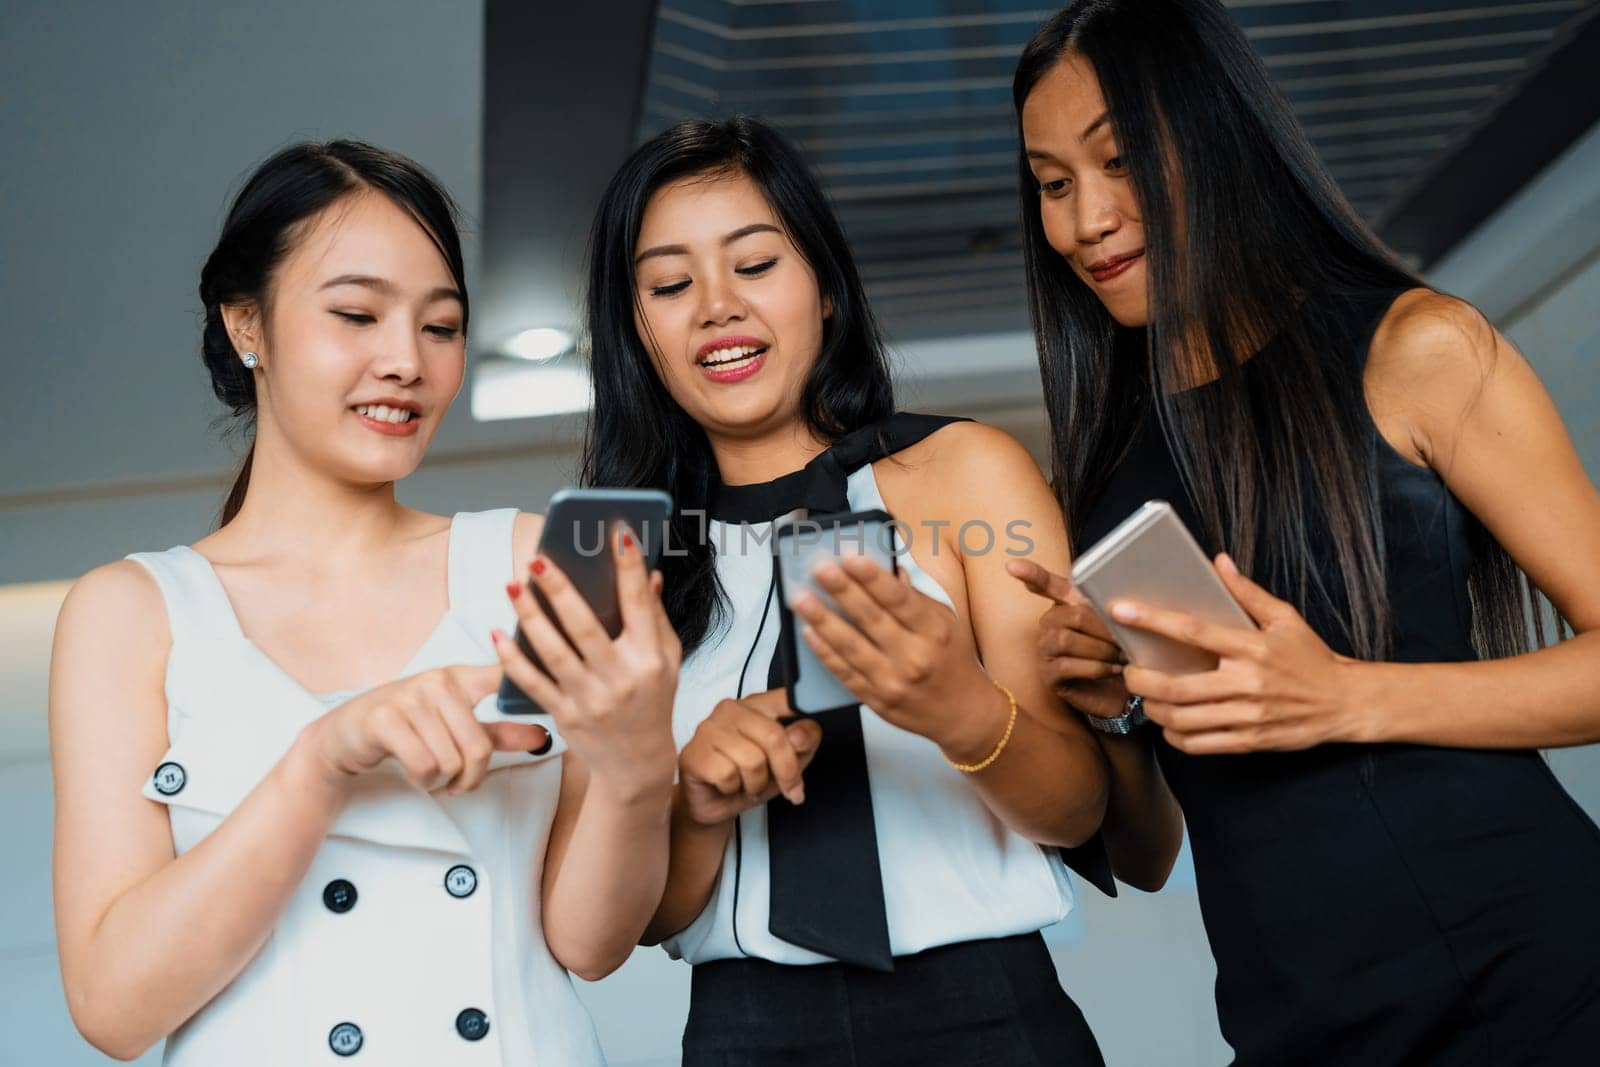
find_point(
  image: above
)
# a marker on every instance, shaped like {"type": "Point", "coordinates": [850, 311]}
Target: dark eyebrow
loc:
{"type": "Point", "coordinates": [682, 250]}
{"type": "Point", "coordinates": [366, 281]}
{"type": "Point", "coordinates": [746, 231]}
{"type": "Point", "coordinates": [1088, 132]}
{"type": "Point", "coordinates": [387, 288]}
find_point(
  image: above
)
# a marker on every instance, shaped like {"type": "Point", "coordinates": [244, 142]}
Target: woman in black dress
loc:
{"type": "Point", "coordinates": [1388, 871]}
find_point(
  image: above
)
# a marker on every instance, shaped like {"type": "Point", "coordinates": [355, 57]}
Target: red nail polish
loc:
{"type": "Point", "coordinates": [627, 540]}
{"type": "Point", "coordinates": [495, 637]}
{"type": "Point", "coordinates": [537, 567]}
{"type": "Point", "coordinates": [513, 589]}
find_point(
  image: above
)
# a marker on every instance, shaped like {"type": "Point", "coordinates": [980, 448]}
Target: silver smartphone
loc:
{"type": "Point", "coordinates": [578, 527]}
{"type": "Point", "coordinates": [797, 548]}
{"type": "Point", "coordinates": [1151, 557]}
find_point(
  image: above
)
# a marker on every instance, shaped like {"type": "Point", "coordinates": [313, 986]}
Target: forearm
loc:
{"type": "Point", "coordinates": [168, 945]}
{"type": "Point", "coordinates": [611, 877]}
{"type": "Point", "coordinates": [696, 861]}
{"type": "Point", "coordinates": [1544, 699]}
{"type": "Point", "coordinates": [1049, 781]}
{"type": "Point", "coordinates": [1143, 828]}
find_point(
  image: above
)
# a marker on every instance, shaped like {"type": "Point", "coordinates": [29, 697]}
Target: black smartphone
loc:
{"type": "Point", "coordinates": [797, 548]}
{"type": "Point", "coordinates": [579, 526]}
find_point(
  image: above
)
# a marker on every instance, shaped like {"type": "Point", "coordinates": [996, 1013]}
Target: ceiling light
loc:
{"type": "Point", "coordinates": [538, 344]}
{"type": "Point", "coordinates": [504, 389]}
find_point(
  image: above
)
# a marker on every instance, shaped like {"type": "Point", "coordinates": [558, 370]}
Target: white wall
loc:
{"type": "Point", "coordinates": [125, 129]}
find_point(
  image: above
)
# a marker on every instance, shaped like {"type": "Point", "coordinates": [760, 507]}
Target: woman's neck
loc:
{"type": "Point", "coordinates": [762, 457]}
{"type": "Point", "coordinates": [292, 510]}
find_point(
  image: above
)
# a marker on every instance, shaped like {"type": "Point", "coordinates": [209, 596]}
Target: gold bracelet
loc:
{"type": "Point", "coordinates": [1000, 746]}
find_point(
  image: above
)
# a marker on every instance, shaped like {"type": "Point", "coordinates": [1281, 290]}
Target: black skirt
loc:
{"type": "Point", "coordinates": [989, 1003]}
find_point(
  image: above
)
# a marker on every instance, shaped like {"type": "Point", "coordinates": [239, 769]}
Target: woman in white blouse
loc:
{"type": "Point", "coordinates": [865, 886]}
{"type": "Point", "coordinates": [342, 849]}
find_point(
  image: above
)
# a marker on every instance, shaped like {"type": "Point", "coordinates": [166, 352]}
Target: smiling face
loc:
{"type": "Point", "coordinates": [363, 347]}
{"type": "Point", "coordinates": [728, 308]}
{"type": "Point", "coordinates": [1086, 199]}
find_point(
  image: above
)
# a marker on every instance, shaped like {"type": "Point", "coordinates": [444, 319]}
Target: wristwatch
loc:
{"type": "Point", "coordinates": [1131, 719]}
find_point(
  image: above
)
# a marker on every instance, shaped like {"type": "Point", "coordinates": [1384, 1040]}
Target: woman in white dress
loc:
{"type": "Point", "coordinates": [342, 849]}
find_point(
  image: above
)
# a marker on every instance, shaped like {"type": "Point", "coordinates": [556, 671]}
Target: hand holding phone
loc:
{"type": "Point", "coordinates": [874, 639]}
{"type": "Point", "coordinates": [579, 527]}
{"type": "Point", "coordinates": [609, 696]}
{"type": "Point", "coordinates": [797, 549]}
{"type": "Point", "coordinates": [1271, 683]}
{"type": "Point", "coordinates": [1151, 557]}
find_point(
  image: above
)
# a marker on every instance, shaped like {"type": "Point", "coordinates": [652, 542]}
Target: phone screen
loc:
{"type": "Point", "coordinates": [798, 548]}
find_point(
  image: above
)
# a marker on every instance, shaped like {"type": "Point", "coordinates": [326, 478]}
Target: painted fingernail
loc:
{"type": "Point", "coordinates": [513, 589]}
{"type": "Point", "coordinates": [537, 566]}
{"type": "Point", "coordinates": [1125, 612]}
{"type": "Point", "coordinates": [627, 539]}
{"type": "Point", "coordinates": [495, 637]}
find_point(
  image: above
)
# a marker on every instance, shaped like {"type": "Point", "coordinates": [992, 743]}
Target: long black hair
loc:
{"type": "Point", "coordinates": [637, 434]}
{"type": "Point", "coordinates": [1282, 466]}
{"type": "Point", "coordinates": [262, 224]}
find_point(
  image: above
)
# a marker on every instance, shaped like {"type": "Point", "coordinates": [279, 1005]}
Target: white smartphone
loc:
{"type": "Point", "coordinates": [1151, 557]}
{"type": "Point", "coordinates": [797, 548]}
{"type": "Point", "coordinates": [578, 527]}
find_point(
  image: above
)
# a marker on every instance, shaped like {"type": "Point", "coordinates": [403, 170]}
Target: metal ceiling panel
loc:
{"type": "Point", "coordinates": [904, 108]}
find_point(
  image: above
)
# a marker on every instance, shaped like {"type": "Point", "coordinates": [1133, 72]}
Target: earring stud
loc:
{"type": "Point", "coordinates": [251, 360]}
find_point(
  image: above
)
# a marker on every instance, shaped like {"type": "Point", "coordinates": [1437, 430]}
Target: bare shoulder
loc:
{"type": "Point", "coordinates": [112, 641]}
{"type": "Point", "coordinates": [115, 598]}
{"type": "Point", "coordinates": [967, 457]}
{"type": "Point", "coordinates": [971, 473]}
{"type": "Point", "coordinates": [1430, 361]}
{"type": "Point", "coordinates": [1428, 340]}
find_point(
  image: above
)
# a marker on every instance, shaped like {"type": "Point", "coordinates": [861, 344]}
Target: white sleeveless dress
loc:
{"type": "Point", "coordinates": [415, 936]}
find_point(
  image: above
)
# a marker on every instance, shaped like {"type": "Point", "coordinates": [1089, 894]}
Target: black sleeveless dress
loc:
{"type": "Point", "coordinates": [1387, 904]}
